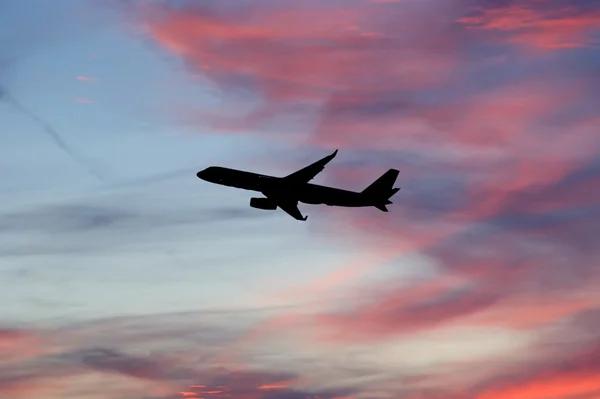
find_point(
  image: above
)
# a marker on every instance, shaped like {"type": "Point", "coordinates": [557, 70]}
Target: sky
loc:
{"type": "Point", "coordinates": [123, 276]}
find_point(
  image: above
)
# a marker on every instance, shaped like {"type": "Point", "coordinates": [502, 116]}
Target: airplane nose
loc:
{"type": "Point", "coordinates": [204, 174]}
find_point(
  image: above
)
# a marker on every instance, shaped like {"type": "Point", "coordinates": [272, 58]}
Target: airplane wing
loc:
{"type": "Point", "coordinates": [309, 172]}
{"type": "Point", "coordinates": [286, 204]}
{"type": "Point", "coordinates": [291, 208]}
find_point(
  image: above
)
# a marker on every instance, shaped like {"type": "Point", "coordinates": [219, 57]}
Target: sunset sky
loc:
{"type": "Point", "coordinates": [123, 276]}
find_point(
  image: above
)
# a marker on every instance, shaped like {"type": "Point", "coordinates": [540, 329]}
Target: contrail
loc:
{"type": "Point", "coordinates": [62, 143]}
{"type": "Point", "coordinates": [52, 133]}
{"type": "Point", "coordinates": [156, 178]}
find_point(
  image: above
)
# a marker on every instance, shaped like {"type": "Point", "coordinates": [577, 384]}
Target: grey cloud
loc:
{"type": "Point", "coordinates": [64, 219]}
{"type": "Point", "coordinates": [153, 348]}
{"type": "Point", "coordinates": [562, 212]}
{"type": "Point", "coordinates": [78, 219]}
{"type": "Point", "coordinates": [142, 367]}
{"type": "Point", "coordinates": [83, 227]}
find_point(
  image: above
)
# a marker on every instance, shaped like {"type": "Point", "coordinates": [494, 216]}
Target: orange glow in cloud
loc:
{"type": "Point", "coordinates": [270, 387]}
{"type": "Point", "coordinates": [551, 387]}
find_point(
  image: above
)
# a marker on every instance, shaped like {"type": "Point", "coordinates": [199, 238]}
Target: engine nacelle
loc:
{"type": "Point", "coordinates": [263, 203]}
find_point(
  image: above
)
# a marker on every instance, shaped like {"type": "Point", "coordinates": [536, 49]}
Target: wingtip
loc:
{"type": "Point", "coordinates": [334, 153]}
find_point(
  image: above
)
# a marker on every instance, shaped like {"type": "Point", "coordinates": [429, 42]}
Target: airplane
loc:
{"type": "Point", "coordinates": [285, 192]}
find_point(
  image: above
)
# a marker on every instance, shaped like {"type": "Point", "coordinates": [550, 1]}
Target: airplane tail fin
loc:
{"type": "Point", "coordinates": [381, 190]}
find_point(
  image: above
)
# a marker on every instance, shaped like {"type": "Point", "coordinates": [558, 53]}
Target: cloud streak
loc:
{"type": "Point", "coordinates": [149, 354]}
{"type": "Point", "coordinates": [86, 78]}
{"type": "Point", "coordinates": [543, 25]}
{"type": "Point", "coordinates": [98, 225]}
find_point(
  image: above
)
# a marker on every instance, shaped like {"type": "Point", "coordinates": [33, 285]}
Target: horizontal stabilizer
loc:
{"type": "Point", "coordinates": [382, 208]}
{"type": "Point", "coordinates": [394, 191]}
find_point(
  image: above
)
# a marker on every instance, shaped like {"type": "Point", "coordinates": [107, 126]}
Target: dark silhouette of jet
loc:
{"type": "Point", "coordinates": [286, 192]}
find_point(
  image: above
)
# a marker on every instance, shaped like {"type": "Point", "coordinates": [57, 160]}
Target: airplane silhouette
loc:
{"type": "Point", "coordinates": [285, 192]}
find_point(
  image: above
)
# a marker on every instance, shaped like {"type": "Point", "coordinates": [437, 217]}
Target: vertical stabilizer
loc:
{"type": "Point", "coordinates": [384, 185]}
{"type": "Point", "coordinates": [382, 189]}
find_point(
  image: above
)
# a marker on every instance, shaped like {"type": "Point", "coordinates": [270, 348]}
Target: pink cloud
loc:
{"type": "Point", "coordinates": [87, 79]}
{"type": "Point", "coordinates": [290, 62]}
{"type": "Point", "coordinates": [18, 344]}
{"type": "Point", "coordinates": [538, 25]}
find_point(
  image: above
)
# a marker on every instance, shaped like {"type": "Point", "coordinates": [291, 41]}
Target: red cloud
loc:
{"type": "Point", "coordinates": [296, 60]}
{"type": "Point", "coordinates": [18, 345]}
{"type": "Point", "coordinates": [275, 52]}
{"type": "Point", "coordinates": [538, 25]}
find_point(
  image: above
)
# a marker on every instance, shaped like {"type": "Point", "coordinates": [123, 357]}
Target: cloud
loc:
{"type": "Point", "coordinates": [498, 152]}
{"type": "Point", "coordinates": [60, 219]}
{"type": "Point", "coordinates": [360, 81]}
{"type": "Point", "coordinates": [567, 366]}
{"type": "Point", "coordinates": [86, 79]}
{"type": "Point", "coordinates": [18, 343]}
{"type": "Point", "coordinates": [83, 101]}
{"type": "Point", "coordinates": [525, 262]}
{"type": "Point", "coordinates": [360, 48]}
{"type": "Point", "coordinates": [83, 225]}
{"type": "Point", "coordinates": [379, 77]}
{"type": "Point", "coordinates": [177, 355]}
{"type": "Point", "coordinates": [547, 25]}
{"type": "Point", "coordinates": [151, 355]}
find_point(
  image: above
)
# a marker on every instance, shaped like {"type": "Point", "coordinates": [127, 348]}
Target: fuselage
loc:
{"type": "Point", "coordinates": [307, 193]}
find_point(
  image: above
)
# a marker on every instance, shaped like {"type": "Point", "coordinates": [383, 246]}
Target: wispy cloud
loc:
{"type": "Point", "coordinates": [546, 25]}
{"type": "Point", "coordinates": [82, 100]}
{"type": "Point", "coordinates": [178, 355]}
{"type": "Point", "coordinates": [151, 355]}
{"type": "Point", "coordinates": [87, 79]}
{"type": "Point", "coordinates": [91, 226]}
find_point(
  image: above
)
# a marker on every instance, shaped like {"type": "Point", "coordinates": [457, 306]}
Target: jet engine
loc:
{"type": "Point", "coordinates": [263, 203]}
